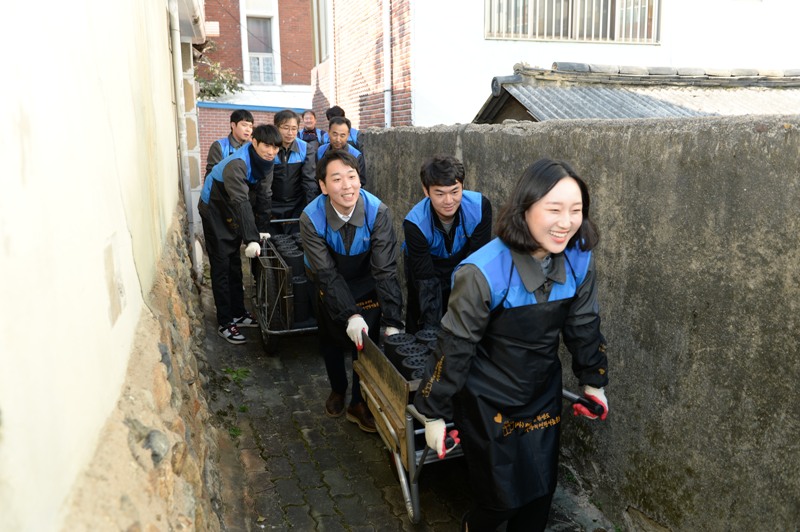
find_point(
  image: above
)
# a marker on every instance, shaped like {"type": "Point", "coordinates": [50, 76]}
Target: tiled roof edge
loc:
{"type": "Point", "coordinates": [636, 75]}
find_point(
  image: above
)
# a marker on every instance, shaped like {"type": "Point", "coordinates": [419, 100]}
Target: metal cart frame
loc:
{"type": "Point", "coordinates": [273, 299]}
{"type": "Point", "coordinates": [399, 424]}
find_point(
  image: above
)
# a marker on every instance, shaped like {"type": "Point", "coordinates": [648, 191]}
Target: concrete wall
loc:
{"type": "Point", "coordinates": [155, 465]}
{"type": "Point", "coordinates": [90, 189]}
{"type": "Point", "coordinates": [699, 272]}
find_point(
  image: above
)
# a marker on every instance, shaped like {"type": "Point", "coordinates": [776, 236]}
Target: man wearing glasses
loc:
{"type": "Point", "coordinates": [293, 183]}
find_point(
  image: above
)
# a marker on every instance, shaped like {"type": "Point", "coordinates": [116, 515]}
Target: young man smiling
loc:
{"type": "Point", "coordinates": [351, 255]}
{"type": "Point", "coordinates": [440, 231]}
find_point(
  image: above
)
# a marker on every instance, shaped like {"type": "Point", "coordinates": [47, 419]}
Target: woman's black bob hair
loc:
{"type": "Point", "coordinates": [537, 180]}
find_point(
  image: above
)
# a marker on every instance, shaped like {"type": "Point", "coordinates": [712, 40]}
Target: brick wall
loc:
{"type": "Point", "coordinates": [229, 44]}
{"type": "Point", "coordinates": [216, 123]}
{"type": "Point", "coordinates": [401, 63]}
{"type": "Point", "coordinates": [358, 49]}
{"type": "Point", "coordinates": [297, 41]}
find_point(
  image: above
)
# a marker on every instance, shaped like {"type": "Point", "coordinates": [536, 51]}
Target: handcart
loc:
{"type": "Point", "coordinates": [399, 424]}
{"type": "Point", "coordinates": [274, 295]}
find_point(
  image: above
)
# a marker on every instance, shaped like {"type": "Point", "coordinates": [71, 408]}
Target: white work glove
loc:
{"type": "Point", "coordinates": [356, 328]}
{"type": "Point", "coordinates": [391, 330]}
{"type": "Point", "coordinates": [593, 394]}
{"type": "Point", "coordinates": [436, 435]}
{"type": "Point", "coordinates": [252, 250]}
{"type": "Point", "coordinates": [263, 236]}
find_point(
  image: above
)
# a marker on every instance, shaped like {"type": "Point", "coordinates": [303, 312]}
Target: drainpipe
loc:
{"type": "Point", "coordinates": [387, 63]}
{"type": "Point", "coordinates": [177, 75]}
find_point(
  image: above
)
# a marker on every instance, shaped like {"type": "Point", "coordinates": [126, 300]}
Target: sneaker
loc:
{"type": "Point", "coordinates": [247, 320]}
{"type": "Point", "coordinates": [231, 333]}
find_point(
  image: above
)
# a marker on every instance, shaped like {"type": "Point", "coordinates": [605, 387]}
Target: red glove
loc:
{"type": "Point", "coordinates": [438, 439]}
{"type": "Point", "coordinates": [593, 394]}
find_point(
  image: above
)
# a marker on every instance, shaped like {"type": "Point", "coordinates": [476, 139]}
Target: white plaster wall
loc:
{"type": "Point", "coordinates": [89, 184]}
{"type": "Point", "coordinates": [449, 52]}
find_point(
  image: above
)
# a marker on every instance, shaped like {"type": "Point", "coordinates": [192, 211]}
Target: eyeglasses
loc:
{"type": "Point", "coordinates": [289, 128]}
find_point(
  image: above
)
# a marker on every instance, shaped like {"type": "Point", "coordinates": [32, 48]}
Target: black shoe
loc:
{"type": "Point", "coordinates": [360, 414]}
{"type": "Point", "coordinates": [334, 406]}
{"type": "Point", "coordinates": [231, 333]}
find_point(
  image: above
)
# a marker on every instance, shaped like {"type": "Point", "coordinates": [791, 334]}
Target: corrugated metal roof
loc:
{"type": "Point", "coordinates": [549, 103]}
{"type": "Point", "coordinates": [574, 94]}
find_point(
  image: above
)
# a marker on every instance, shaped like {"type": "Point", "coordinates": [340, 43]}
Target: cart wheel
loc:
{"type": "Point", "coordinates": [261, 303]}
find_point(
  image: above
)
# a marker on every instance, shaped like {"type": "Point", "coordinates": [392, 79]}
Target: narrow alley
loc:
{"type": "Point", "coordinates": [286, 465]}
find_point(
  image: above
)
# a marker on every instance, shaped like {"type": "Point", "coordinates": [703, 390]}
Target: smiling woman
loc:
{"type": "Point", "coordinates": [501, 384]}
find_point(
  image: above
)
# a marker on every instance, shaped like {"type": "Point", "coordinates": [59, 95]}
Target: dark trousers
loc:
{"type": "Point", "coordinates": [224, 258]}
{"type": "Point", "coordinates": [334, 354]}
{"type": "Point", "coordinates": [529, 518]}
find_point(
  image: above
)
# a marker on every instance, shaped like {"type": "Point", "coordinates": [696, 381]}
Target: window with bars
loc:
{"type": "Point", "coordinates": [625, 21]}
{"type": "Point", "coordinates": [259, 49]}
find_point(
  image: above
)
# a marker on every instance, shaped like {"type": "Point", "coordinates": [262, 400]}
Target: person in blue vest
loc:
{"type": "Point", "coordinates": [440, 231]}
{"type": "Point", "coordinates": [241, 129]}
{"type": "Point", "coordinates": [351, 256]}
{"type": "Point", "coordinates": [310, 132]}
{"type": "Point", "coordinates": [294, 182]}
{"type": "Point", "coordinates": [338, 133]}
{"type": "Point", "coordinates": [235, 208]}
{"type": "Point", "coordinates": [495, 371]}
{"type": "Point", "coordinates": [352, 139]}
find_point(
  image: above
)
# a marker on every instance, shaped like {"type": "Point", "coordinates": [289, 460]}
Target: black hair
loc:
{"type": "Point", "coordinates": [339, 120]}
{"type": "Point", "coordinates": [334, 111]}
{"type": "Point", "coordinates": [267, 134]}
{"type": "Point", "coordinates": [241, 114]}
{"type": "Point", "coordinates": [441, 171]}
{"type": "Point", "coordinates": [537, 180]}
{"type": "Point", "coordinates": [311, 112]}
{"type": "Point", "coordinates": [334, 155]}
{"type": "Point", "coordinates": [284, 116]}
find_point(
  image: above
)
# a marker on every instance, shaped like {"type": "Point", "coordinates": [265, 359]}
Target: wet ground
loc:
{"type": "Point", "coordinates": [286, 465]}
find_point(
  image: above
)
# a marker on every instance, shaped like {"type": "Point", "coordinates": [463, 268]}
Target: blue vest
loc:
{"type": "Point", "coordinates": [350, 149]}
{"type": "Point", "coordinates": [422, 215]}
{"type": "Point", "coordinates": [352, 139]}
{"type": "Point", "coordinates": [295, 157]}
{"type": "Point", "coordinates": [495, 263]}
{"type": "Point", "coordinates": [227, 148]}
{"type": "Point", "coordinates": [316, 212]}
{"type": "Point", "coordinates": [242, 153]}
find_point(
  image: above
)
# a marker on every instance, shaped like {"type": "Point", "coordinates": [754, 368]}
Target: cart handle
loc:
{"type": "Point", "coordinates": [411, 409]}
{"type": "Point", "coordinates": [595, 408]}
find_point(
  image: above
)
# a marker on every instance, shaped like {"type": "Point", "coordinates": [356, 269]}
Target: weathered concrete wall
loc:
{"type": "Point", "coordinates": [155, 466]}
{"type": "Point", "coordinates": [699, 272]}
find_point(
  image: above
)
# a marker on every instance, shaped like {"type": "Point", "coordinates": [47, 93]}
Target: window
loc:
{"type": "Point", "coordinates": [320, 17]}
{"type": "Point", "coordinates": [259, 47]}
{"type": "Point", "coordinates": [627, 21]}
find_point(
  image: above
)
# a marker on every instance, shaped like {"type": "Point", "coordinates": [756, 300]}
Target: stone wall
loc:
{"type": "Point", "coordinates": [699, 278]}
{"type": "Point", "coordinates": [155, 463]}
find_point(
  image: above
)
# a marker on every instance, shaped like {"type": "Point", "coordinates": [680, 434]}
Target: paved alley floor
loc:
{"type": "Point", "coordinates": [286, 465]}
